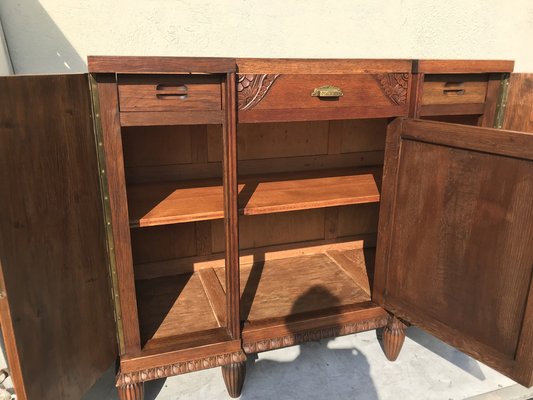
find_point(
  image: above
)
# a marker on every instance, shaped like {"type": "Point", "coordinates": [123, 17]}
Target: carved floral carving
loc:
{"type": "Point", "coordinates": [252, 88]}
{"type": "Point", "coordinates": [179, 368]}
{"type": "Point", "coordinates": [394, 86]}
{"type": "Point", "coordinates": [313, 335]}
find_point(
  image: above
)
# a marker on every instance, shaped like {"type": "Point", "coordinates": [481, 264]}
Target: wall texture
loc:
{"type": "Point", "coordinates": [57, 35]}
{"type": "Point", "coordinates": [5, 61]}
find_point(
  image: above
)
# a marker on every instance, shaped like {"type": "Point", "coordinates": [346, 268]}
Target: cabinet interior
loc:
{"type": "Point", "coordinates": [308, 204]}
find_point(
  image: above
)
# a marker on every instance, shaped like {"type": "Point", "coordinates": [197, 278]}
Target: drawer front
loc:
{"type": "Point", "coordinates": [169, 93]}
{"type": "Point", "coordinates": [321, 96]}
{"type": "Point", "coordinates": [454, 89]}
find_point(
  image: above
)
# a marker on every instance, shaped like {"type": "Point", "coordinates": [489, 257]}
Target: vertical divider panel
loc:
{"type": "Point", "coordinates": [231, 217]}
{"type": "Point", "coordinates": [119, 240]}
{"type": "Point", "coordinates": [488, 119]}
{"type": "Point", "coordinates": [417, 85]}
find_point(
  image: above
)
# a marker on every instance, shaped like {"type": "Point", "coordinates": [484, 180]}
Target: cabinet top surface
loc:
{"type": "Point", "coordinates": [147, 64]}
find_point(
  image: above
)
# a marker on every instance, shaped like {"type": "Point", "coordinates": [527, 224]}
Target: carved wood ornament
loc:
{"type": "Point", "coordinates": [252, 88]}
{"type": "Point", "coordinates": [184, 367]}
{"type": "Point", "coordinates": [312, 335]}
{"type": "Point", "coordinates": [394, 86]}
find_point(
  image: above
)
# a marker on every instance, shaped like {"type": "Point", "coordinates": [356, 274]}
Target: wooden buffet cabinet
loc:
{"type": "Point", "coordinates": [235, 202]}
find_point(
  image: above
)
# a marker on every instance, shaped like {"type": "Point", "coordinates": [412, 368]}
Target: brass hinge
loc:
{"type": "Point", "coordinates": [106, 207]}
{"type": "Point", "coordinates": [502, 101]}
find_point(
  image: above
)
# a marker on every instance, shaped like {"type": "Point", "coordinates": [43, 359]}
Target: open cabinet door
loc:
{"type": "Point", "coordinates": [455, 241]}
{"type": "Point", "coordinates": [55, 306]}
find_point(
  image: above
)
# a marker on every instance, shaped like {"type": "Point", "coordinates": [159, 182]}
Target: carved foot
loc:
{"type": "Point", "coordinates": [393, 338]}
{"type": "Point", "coordinates": [132, 391]}
{"type": "Point", "coordinates": [233, 375]}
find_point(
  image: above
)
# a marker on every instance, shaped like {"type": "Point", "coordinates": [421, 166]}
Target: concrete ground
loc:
{"type": "Point", "coordinates": [349, 367]}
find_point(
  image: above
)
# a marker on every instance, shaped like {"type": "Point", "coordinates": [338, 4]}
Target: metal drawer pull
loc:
{"type": "Point", "coordinates": [171, 91]}
{"type": "Point", "coordinates": [327, 92]}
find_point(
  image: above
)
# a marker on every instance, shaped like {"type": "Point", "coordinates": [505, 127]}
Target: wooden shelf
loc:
{"type": "Point", "coordinates": [176, 202]}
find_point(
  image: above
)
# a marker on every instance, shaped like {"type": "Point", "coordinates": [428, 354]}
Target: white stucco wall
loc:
{"type": "Point", "coordinates": [57, 35]}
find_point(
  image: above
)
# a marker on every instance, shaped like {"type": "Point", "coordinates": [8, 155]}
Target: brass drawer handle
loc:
{"type": "Point", "coordinates": [327, 92]}
{"type": "Point", "coordinates": [171, 91]}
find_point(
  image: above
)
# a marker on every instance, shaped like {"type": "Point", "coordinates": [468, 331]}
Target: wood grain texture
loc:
{"type": "Point", "coordinates": [160, 145]}
{"type": "Point", "coordinates": [451, 109]}
{"type": "Point", "coordinates": [358, 265]}
{"type": "Point", "coordinates": [479, 182]}
{"type": "Point", "coordinates": [417, 87]}
{"type": "Point", "coordinates": [114, 164]}
{"type": "Point", "coordinates": [172, 202]}
{"type": "Point", "coordinates": [192, 117]}
{"type": "Point", "coordinates": [260, 231]}
{"type": "Point", "coordinates": [320, 66]}
{"type": "Point", "coordinates": [306, 146]}
{"type": "Point", "coordinates": [168, 360]}
{"type": "Point", "coordinates": [519, 117]}
{"type": "Point", "coordinates": [305, 191]}
{"type": "Point", "coordinates": [262, 141]}
{"type": "Point", "coordinates": [160, 243]}
{"type": "Point", "coordinates": [393, 338]}
{"type": "Point", "coordinates": [358, 220]}
{"type": "Point", "coordinates": [159, 65]}
{"type": "Point", "coordinates": [519, 109]}
{"type": "Point", "coordinates": [317, 114]}
{"type": "Point", "coordinates": [473, 120]}
{"type": "Point", "coordinates": [454, 89]}
{"type": "Point", "coordinates": [215, 294]}
{"type": "Point", "coordinates": [174, 305]}
{"type": "Point", "coordinates": [231, 208]}
{"type": "Point", "coordinates": [494, 88]}
{"type": "Point", "coordinates": [278, 333]}
{"type": "Point", "coordinates": [56, 299]}
{"type": "Point", "coordinates": [254, 167]}
{"type": "Point", "coordinates": [364, 95]}
{"type": "Point", "coordinates": [279, 289]}
{"type": "Point", "coordinates": [180, 367]}
{"type": "Point", "coordinates": [152, 93]}
{"type": "Point", "coordinates": [152, 204]}
{"type": "Point", "coordinates": [131, 391]}
{"type": "Point", "coordinates": [234, 375]}
{"type": "Point", "coordinates": [492, 141]}
{"type": "Point", "coordinates": [462, 66]}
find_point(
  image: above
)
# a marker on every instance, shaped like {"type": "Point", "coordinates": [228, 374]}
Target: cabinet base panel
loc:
{"type": "Point", "coordinates": [328, 326]}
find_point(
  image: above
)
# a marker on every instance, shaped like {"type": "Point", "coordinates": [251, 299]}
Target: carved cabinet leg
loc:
{"type": "Point", "coordinates": [131, 391]}
{"type": "Point", "coordinates": [233, 375]}
{"type": "Point", "coordinates": [393, 338]}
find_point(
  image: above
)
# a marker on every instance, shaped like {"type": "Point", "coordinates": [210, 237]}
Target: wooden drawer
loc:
{"type": "Point", "coordinates": [454, 94]}
{"type": "Point", "coordinates": [282, 97]}
{"type": "Point", "coordinates": [169, 93]}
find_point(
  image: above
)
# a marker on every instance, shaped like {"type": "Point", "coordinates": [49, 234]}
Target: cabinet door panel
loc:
{"type": "Point", "coordinates": [455, 243]}
{"type": "Point", "coordinates": [55, 307]}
